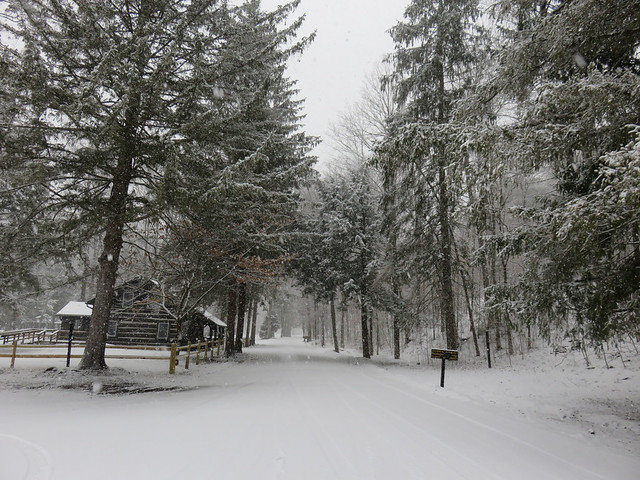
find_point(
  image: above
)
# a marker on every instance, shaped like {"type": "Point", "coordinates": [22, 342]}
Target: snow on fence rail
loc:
{"type": "Point", "coordinates": [206, 348]}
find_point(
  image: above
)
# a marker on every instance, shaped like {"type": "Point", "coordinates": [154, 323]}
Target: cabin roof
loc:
{"type": "Point", "coordinates": [75, 309]}
{"type": "Point", "coordinates": [214, 319]}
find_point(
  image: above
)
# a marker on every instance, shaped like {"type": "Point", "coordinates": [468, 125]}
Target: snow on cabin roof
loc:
{"type": "Point", "coordinates": [214, 319]}
{"type": "Point", "coordinates": [75, 309]}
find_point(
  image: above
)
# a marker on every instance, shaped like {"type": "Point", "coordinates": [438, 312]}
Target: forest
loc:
{"type": "Point", "coordinates": [485, 186]}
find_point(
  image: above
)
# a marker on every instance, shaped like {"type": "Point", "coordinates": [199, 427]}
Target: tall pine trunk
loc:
{"type": "Point", "coordinates": [467, 288]}
{"type": "Point", "coordinates": [507, 318]}
{"type": "Point", "coordinates": [447, 299]}
{"type": "Point", "coordinates": [396, 324]}
{"type": "Point", "coordinates": [334, 327]}
{"type": "Point", "coordinates": [323, 327]}
{"type": "Point", "coordinates": [247, 334]}
{"type": "Point", "coordinates": [93, 356]}
{"type": "Point", "coordinates": [229, 343]}
{"type": "Point", "coordinates": [242, 305]}
{"type": "Point", "coordinates": [254, 320]}
{"type": "Point", "coordinates": [343, 309]}
{"type": "Point", "coordinates": [364, 315]}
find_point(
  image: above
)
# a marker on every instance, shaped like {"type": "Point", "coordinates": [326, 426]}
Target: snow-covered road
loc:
{"type": "Point", "coordinates": [290, 411]}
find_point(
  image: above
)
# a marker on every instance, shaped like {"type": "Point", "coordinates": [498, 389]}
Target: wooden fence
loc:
{"type": "Point", "coordinates": [32, 335]}
{"type": "Point", "coordinates": [205, 348]}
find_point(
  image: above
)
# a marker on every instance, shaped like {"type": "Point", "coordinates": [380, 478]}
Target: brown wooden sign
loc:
{"type": "Point", "coordinates": [444, 354]}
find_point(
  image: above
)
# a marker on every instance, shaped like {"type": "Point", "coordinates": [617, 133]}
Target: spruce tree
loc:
{"type": "Point", "coordinates": [120, 96]}
{"type": "Point", "coordinates": [432, 57]}
{"type": "Point", "coordinates": [573, 69]}
{"type": "Point", "coordinates": [239, 209]}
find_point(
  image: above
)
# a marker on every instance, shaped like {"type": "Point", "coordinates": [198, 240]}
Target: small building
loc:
{"type": "Point", "coordinates": [78, 313]}
{"type": "Point", "coordinates": [217, 326]}
{"type": "Point", "coordinates": [201, 324]}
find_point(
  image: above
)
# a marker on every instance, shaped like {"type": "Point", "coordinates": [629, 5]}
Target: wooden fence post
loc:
{"type": "Point", "coordinates": [198, 353]}
{"type": "Point", "coordinates": [206, 348]}
{"type": "Point", "coordinates": [172, 358]}
{"type": "Point", "coordinates": [186, 361]}
{"type": "Point", "coordinates": [13, 353]}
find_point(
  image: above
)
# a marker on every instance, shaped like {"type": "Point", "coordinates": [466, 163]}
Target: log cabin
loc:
{"type": "Point", "coordinates": [141, 314]}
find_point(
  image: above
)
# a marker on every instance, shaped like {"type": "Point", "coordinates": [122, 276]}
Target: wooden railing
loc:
{"type": "Point", "coordinates": [34, 335]}
{"type": "Point", "coordinates": [205, 348]}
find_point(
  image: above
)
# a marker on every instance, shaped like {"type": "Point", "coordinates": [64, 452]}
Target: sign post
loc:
{"type": "Point", "coordinates": [444, 355]}
{"type": "Point", "coordinates": [71, 322]}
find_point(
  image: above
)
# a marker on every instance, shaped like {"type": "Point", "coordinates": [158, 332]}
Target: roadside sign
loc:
{"type": "Point", "coordinates": [444, 355]}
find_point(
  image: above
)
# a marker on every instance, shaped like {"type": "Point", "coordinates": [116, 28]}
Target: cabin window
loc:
{"type": "Point", "coordinates": [127, 298]}
{"type": "Point", "coordinates": [113, 328]}
{"type": "Point", "coordinates": [163, 331]}
{"type": "Point", "coordinates": [155, 306]}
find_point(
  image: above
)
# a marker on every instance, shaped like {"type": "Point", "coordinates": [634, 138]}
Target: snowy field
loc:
{"type": "Point", "coordinates": [289, 410]}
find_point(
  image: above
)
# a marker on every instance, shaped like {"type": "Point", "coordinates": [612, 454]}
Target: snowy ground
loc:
{"type": "Point", "coordinates": [290, 410]}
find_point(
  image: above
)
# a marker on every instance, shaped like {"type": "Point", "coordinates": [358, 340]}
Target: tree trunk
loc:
{"type": "Point", "coordinates": [447, 299]}
{"type": "Point", "coordinates": [507, 319]}
{"type": "Point", "coordinates": [486, 283]}
{"type": "Point", "coordinates": [334, 327]}
{"type": "Point", "coordinates": [343, 311]}
{"type": "Point", "coordinates": [467, 286]}
{"type": "Point", "coordinates": [229, 345]}
{"type": "Point", "coordinates": [396, 324]}
{"type": "Point", "coordinates": [472, 323]}
{"type": "Point", "coordinates": [315, 322]}
{"type": "Point", "coordinates": [370, 315]}
{"type": "Point", "coordinates": [254, 321]}
{"type": "Point", "coordinates": [93, 357]}
{"type": "Point", "coordinates": [323, 328]}
{"type": "Point", "coordinates": [377, 334]}
{"type": "Point", "coordinates": [366, 352]}
{"type": "Point", "coordinates": [248, 332]}
{"type": "Point", "coordinates": [242, 306]}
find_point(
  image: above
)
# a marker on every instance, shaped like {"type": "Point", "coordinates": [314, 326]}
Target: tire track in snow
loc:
{"type": "Point", "coordinates": [476, 467]}
{"type": "Point", "coordinates": [21, 459]}
{"type": "Point", "coordinates": [367, 423]}
{"type": "Point", "coordinates": [577, 467]}
{"type": "Point", "coordinates": [321, 429]}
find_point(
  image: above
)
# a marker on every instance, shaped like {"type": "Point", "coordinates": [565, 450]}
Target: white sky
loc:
{"type": "Point", "coordinates": [351, 40]}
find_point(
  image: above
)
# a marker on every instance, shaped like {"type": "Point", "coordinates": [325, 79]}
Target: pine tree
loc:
{"type": "Point", "coordinates": [251, 187]}
{"type": "Point", "coordinates": [345, 252]}
{"type": "Point", "coordinates": [122, 95]}
{"type": "Point", "coordinates": [573, 69]}
{"type": "Point", "coordinates": [433, 53]}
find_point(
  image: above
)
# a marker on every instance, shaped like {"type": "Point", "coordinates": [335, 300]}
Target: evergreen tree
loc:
{"type": "Point", "coordinates": [119, 97]}
{"type": "Point", "coordinates": [345, 247]}
{"type": "Point", "coordinates": [240, 208]}
{"type": "Point", "coordinates": [573, 69]}
{"type": "Point", "coordinates": [434, 52]}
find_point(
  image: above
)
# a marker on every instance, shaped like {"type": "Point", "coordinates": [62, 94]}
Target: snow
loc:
{"type": "Point", "coordinates": [75, 309]}
{"type": "Point", "coordinates": [214, 319]}
{"type": "Point", "coordinates": [292, 410]}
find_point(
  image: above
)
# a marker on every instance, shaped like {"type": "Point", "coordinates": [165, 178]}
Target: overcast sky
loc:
{"type": "Point", "coordinates": [351, 40]}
